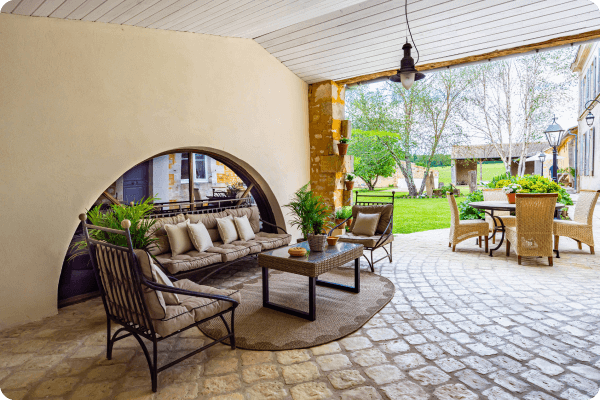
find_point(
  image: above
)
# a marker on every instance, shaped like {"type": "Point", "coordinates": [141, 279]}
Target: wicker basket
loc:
{"type": "Point", "coordinates": [317, 242]}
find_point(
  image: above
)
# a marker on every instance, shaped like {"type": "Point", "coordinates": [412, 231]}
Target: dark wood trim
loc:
{"type": "Point", "coordinates": [191, 158]}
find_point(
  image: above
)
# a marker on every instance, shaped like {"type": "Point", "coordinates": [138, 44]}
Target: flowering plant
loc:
{"type": "Point", "coordinates": [511, 188]}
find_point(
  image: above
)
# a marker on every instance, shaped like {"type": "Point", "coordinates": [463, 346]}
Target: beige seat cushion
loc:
{"type": "Point", "coordinates": [366, 224]}
{"type": "Point", "coordinates": [193, 309]}
{"type": "Point", "coordinates": [254, 246]}
{"type": "Point", "coordinates": [227, 230]}
{"type": "Point", "coordinates": [199, 236]}
{"type": "Point", "coordinates": [367, 241]}
{"type": "Point", "coordinates": [385, 210]}
{"type": "Point", "coordinates": [243, 228]}
{"type": "Point", "coordinates": [179, 239]}
{"type": "Point", "coordinates": [270, 241]}
{"type": "Point", "coordinates": [228, 251]}
{"type": "Point", "coordinates": [158, 231]}
{"type": "Point", "coordinates": [186, 262]}
{"type": "Point", "coordinates": [157, 307]}
{"type": "Point", "coordinates": [250, 212]}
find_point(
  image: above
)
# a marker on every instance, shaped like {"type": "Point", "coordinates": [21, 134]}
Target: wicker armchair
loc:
{"type": "Point", "coordinates": [465, 229]}
{"type": "Point", "coordinates": [507, 219]}
{"type": "Point", "coordinates": [532, 235]}
{"type": "Point", "coordinates": [580, 229]}
{"type": "Point", "coordinates": [134, 298]}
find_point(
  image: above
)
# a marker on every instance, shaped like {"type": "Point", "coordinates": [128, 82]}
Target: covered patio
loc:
{"type": "Point", "coordinates": [90, 89]}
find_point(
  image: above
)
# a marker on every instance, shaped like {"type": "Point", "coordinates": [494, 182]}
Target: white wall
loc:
{"type": "Point", "coordinates": [82, 102]}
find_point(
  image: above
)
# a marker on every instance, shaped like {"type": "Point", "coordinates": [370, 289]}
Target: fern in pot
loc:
{"type": "Point", "coordinates": [310, 214]}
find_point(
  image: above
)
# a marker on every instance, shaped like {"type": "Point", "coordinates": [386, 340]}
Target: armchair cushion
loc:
{"type": "Point", "coordinates": [367, 241]}
{"type": "Point", "coordinates": [386, 211]}
{"type": "Point", "coordinates": [366, 224]}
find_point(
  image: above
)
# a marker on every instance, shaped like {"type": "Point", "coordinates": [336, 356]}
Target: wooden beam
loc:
{"type": "Point", "coordinates": [245, 194]}
{"type": "Point", "coordinates": [111, 198]}
{"type": "Point", "coordinates": [191, 179]}
{"type": "Point", "coordinates": [591, 35]}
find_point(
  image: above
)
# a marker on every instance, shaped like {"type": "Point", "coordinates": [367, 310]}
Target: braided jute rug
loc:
{"type": "Point", "coordinates": [339, 313]}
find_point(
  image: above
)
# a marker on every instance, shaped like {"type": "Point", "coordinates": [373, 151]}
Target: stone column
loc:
{"type": "Point", "coordinates": [472, 181]}
{"type": "Point", "coordinates": [429, 183]}
{"type": "Point", "coordinates": [326, 126]}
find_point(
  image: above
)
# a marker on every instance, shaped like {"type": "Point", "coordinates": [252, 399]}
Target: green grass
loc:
{"type": "Point", "coordinates": [490, 170]}
{"type": "Point", "coordinates": [417, 215]}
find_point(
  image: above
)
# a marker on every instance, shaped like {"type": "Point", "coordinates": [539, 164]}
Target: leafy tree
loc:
{"type": "Point", "coordinates": [371, 159]}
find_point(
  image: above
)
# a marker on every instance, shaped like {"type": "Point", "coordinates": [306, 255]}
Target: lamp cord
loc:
{"type": "Point", "coordinates": [408, 26]}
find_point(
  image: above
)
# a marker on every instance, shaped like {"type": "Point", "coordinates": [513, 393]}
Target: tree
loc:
{"type": "Point", "coordinates": [371, 159]}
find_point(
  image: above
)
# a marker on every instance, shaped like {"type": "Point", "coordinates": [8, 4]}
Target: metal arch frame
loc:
{"type": "Point", "coordinates": [136, 329]}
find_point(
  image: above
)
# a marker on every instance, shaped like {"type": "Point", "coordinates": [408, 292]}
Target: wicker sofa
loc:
{"type": "Point", "coordinates": [220, 255]}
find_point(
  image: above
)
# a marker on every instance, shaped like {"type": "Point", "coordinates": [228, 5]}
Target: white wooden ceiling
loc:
{"type": "Point", "coordinates": [340, 39]}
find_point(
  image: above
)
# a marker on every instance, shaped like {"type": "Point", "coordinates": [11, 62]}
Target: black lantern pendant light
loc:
{"type": "Point", "coordinates": [407, 74]}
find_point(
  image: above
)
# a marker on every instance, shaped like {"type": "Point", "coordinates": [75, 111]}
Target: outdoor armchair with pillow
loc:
{"type": "Point", "coordinates": [134, 299]}
{"type": "Point", "coordinates": [580, 229]}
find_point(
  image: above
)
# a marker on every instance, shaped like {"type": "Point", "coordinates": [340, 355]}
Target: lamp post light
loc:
{"type": "Point", "coordinates": [589, 119]}
{"type": "Point", "coordinates": [542, 157]}
{"type": "Point", "coordinates": [554, 135]}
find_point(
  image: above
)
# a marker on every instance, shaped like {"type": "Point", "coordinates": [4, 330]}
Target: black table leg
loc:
{"type": "Point", "coordinates": [355, 289]}
{"type": "Point", "coordinates": [497, 228]}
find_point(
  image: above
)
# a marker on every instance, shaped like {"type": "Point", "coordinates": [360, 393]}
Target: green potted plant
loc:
{"type": "Point", "coordinates": [310, 214]}
{"type": "Point", "coordinates": [347, 214]}
{"type": "Point", "coordinates": [349, 182]}
{"type": "Point", "coordinates": [511, 192]}
{"type": "Point", "coordinates": [340, 217]}
{"type": "Point", "coordinates": [343, 146]}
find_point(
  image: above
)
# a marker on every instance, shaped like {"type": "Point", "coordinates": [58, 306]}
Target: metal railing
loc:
{"type": "Point", "coordinates": [200, 206]}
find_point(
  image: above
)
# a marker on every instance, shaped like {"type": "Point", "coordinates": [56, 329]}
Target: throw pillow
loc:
{"type": "Point", "coordinates": [365, 224]}
{"type": "Point", "coordinates": [227, 229]}
{"type": "Point", "coordinates": [199, 236]}
{"type": "Point", "coordinates": [179, 240]}
{"type": "Point", "coordinates": [244, 229]}
{"type": "Point", "coordinates": [171, 299]}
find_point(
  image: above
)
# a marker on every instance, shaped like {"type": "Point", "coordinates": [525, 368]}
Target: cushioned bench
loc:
{"type": "Point", "coordinates": [220, 253]}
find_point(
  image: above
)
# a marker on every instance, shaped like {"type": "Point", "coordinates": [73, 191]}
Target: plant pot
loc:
{"type": "Point", "coordinates": [317, 242]}
{"type": "Point", "coordinates": [332, 240]}
{"type": "Point", "coordinates": [349, 185]}
{"type": "Point", "coordinates": [512, 198]}
{"type": "Point", "coordinates": [349, 223]}
{"type": "Point", "coordinates": [339, 221]}
{"type": "Point", "coordinates": [342, 148]}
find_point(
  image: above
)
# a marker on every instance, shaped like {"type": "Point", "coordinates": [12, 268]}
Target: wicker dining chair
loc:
{"type": "Point", "coordinates": [507, 219]}
{"type": "Point", "coordinates": [532, 234]}
{"type": "Point", "coordinates": [465, 229]}
{"type": "Point", "coordinates": [134, 299]}
{"type": "Point", "coordinates": [580, 229]}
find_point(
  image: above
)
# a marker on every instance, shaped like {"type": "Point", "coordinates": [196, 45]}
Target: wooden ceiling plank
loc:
{"type": "Point", "coordinates": [190, 10]}
{"type": "Point", "coordinates": [27, 7]}
{"type": "Point", "coordinates": [119, 10]}
{"type": "Point", "coordinates": [150, 11]}
{"type": "Point", "coordinates": [219, 13]}
{"type": "Point", "coordinates": [559, 41]}
{"type": "Point", "coordinates": [251, 18]}
{"type": "Point", "coordinates": [424, 48]}
{"type": "Point", "coordinates": [80, 11]}
{"type": "Point", "coordinates": [165, 12]}
{"type": "Point", "coordinates": [47, 8]}
{"type": "Point", "coordinates": [101, 10]}
{"type": "Point", "coordinates": [9, 7]}
{"type": "Point", "coordinates": [134, 11]}
{"type": "Point", "coordinates": [237, 14]}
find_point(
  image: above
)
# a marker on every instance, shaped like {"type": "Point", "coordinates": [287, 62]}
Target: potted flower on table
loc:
{"type": "Point", "coordinates": [511, 192]}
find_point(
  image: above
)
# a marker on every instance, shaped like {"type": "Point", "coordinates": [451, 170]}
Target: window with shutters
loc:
{"type": "Point", "coordinates": [199, 166]}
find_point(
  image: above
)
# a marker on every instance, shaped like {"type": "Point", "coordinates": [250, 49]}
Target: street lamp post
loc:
{"type": "Point", "coordinates": [542, 157]}
{"type": "Point", "coordinates": [554, 135]}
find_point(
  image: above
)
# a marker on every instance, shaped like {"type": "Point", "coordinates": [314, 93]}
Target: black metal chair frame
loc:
{"type": "Point", "coordinates": [389, 228]}
{"type": "Point", "coordinates": [136, 303]}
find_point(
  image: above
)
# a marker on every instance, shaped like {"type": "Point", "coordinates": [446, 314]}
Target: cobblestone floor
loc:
{"type": "Point", "coordinates": [461, 326]}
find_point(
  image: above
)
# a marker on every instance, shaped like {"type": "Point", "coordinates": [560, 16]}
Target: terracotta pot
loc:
{"type": "Point", "coordinates": [339, 221]}
{"type": "Point", "coordinates": [349, 223]}
{"type": "Point", "coordinates": [317, 242]}
{"type": "Point", "coordinates": [349, 185]}
{"type": "Point", "coordinates": [342, 148]}
{"type": "Point", "coordinates": [332, 240]}
{"type": "Point", "coordinates": [512, 198]}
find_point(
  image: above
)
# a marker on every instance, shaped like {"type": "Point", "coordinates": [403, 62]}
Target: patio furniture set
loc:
{"type": "Point", "coordinates": [536, 221]}
{"type": "Point", "coordinates": [138, 294]}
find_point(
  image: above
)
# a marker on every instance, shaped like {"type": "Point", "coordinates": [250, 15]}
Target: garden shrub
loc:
{"type": "Point", "coordinates": [468, 212]}
{"type": "Point", "coordinates": [532, 184]}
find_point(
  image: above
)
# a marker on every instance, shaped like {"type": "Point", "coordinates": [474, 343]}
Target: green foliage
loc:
{"type": "Point", "coordinates": [532, 184]}
{"type": "Point", "coordinates": [309, 211]}
{"type": "Point", "coordinates": [140, 229]}
{"type": "Point", "coordinates": [502, 177]}
{"type": "Point", "coordinates": [468, 212]}
{"type": "Point", "coordinates": [344, 140]}
{"type": "Point", "coordinates": [437, 160]}
{"type": "Point", "coordinates": [343, 212]}
{"type": "Point", "coordinates": [503, 183]}
{"type": "Point", "coordinates": [371, 159]}
{"type": "Point", "coordinates": [350, 177]}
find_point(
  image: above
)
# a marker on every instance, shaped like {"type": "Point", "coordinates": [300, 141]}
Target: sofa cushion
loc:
{"type": "Point", "coordinates": [227, 230]}
{"type": "Point", "coordinates": [367, 241]}
{"type": "Point", "coordinates": [158, 231]}
{"type": "Point", "coordinates": [179, 239]}
{"type": "Point", "coordinates": [199, 236]}
{"type": "Point", "coordinates": [270, 241]}
{"type": "Point", "coordinates": [254, 247]}
{"type": "Point", "coordinates": [203, 307]}
{"type": "Point", "coordinates": [188, 261]}
{"type": "Point", "coordinates": [210, 222]}
{"type": "Point", "coordinates": [250, 212]}
{"type": "Point", "coordinates": [171, 299]}
{"type": "Point", "coordinates": [243, 227]}
{"type": "Point", "coordinates": [229, 251]}
{"type": "Point", "coordinates": [385, 210]}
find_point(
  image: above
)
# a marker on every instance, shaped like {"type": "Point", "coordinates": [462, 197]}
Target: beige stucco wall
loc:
{"type": "Point", "coordinates": [82, 102]}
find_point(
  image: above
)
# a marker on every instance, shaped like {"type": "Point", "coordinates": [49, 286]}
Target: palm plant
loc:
{"type": "Point", "coordinates": [308, 210]}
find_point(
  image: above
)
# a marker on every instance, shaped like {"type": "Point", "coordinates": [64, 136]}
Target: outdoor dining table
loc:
{"type": "Point", "coordinates": [490, 206]}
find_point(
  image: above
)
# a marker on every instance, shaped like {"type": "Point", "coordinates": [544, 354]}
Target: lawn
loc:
{"type": "Point", "coordinates": [416, 215]}
{"type": "Point", "coordinates": [490, 170]}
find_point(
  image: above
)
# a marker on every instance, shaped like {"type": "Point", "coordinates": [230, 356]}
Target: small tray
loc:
{"type": "Point", "coordinates": [297, 251]}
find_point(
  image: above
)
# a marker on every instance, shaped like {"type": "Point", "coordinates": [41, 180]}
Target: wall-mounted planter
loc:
{"type": "Point", "coordinates": [349, 185]}
{"type": "Point", "coordinates": [342, 148]}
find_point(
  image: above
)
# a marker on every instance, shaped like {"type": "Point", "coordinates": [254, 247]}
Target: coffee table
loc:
{"type": "Point", "coordinates": [311, 265]}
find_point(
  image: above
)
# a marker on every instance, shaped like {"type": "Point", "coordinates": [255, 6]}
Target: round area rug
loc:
{"type": "Point", "coordinates": [339, 313]}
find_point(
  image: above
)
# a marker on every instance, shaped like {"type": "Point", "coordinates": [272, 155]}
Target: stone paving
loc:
{"type": "Point", "coordinates": [462, 325]}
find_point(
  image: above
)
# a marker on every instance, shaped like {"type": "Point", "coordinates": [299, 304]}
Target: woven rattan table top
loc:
{"type": "Point", "coordinates": [314, 263]}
